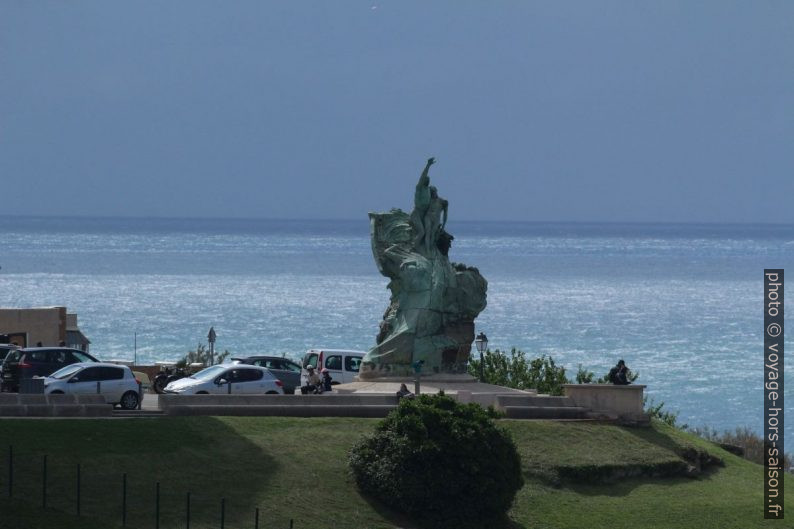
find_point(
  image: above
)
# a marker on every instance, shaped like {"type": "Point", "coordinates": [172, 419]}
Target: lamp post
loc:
{"type": "Point", "coordinates": [211, 341]}
{"type": "Point", "coordinates": [482, 344]}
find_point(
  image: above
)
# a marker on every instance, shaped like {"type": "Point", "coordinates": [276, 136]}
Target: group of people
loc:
{"type": "Point", "coordinates": [315, 383]}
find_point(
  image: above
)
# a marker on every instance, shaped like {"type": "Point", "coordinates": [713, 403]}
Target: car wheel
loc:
{"type": "Point", "coordinates": [202, 393]}
{"type": "Point", "coordinates": [56, 392]}
{"type": "Point", "coordinates": [271, 393]}
{"type": "Point", "coordinates": [129, 401]}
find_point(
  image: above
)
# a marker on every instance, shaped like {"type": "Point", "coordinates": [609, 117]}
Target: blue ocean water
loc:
{"type": "Point", "coordinates": [682, 304]}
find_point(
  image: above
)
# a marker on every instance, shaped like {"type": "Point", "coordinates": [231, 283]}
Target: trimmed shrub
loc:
{"type": "Point", "coordinates": [445, 462]}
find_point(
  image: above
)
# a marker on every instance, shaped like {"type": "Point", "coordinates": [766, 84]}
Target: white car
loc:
{"type": "Point", "coordinates": [218, 379]}
{"type": "Point", "coordinates": [342, 365]}
{"type": "Point", "coordinates": [116, 383]}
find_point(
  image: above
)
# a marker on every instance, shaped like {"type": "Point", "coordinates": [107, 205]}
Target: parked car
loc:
{"type": "Point", "coordinates": [5, 348]}
{"type": "Point", "coordinates": [285, 370]}
{"type": "Point", "coordinates": [341, 364]}
{"type": "Point", "coordinates": [116, 383]}
{"type": "Point", "coordinates": [217, 380]}
{"type": "Point", "coordinates": [30, 362]}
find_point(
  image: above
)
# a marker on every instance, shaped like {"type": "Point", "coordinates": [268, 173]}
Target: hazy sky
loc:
{"type": "Point", "coordinates": [591, 110]}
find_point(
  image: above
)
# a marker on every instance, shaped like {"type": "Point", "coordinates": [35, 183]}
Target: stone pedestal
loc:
{"type": "Point", "coordinates": [623, 401]}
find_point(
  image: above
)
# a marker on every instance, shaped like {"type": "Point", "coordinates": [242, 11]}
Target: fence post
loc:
{"type": "Point", "coordinates": [157, 507]}
{"type": "Point", "coordinates": [187, 512]}
{"type": "Point", "coordinates": [140, 395]}
{"type": "Point", "coordinates": [124, 500]}
{"type": "Point", "coordinates": [223, 512]}
{"type": "Point", "coordinates": [256, 519]}
{"type": "Point", "coordinates": [10, 471]}
{"type": "Point", "coordinates": [290, 523]}
{"type": "Point", "coordinates": [44, 482]}
{"type": "Point", "coordinates": [230, 387]}
{"type": "Point", "coordinates": [98, 386]}
{"type": "Point", "coordinates": [78, 489]}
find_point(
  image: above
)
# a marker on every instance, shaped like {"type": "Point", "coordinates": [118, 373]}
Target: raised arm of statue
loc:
{"type": "Point", "coordinates": [424, 180]}
{"type": "Point", "coordinates": [422, 195]}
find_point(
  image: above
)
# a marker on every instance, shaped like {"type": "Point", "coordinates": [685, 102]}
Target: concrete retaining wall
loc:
{"type": "Point", "coordinates": [31, 405]}
{"type": "Point", "coordinates": [327, 405]}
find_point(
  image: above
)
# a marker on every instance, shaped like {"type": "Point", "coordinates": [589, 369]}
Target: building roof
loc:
{"type": "Point", "coordinates": [76, 337]}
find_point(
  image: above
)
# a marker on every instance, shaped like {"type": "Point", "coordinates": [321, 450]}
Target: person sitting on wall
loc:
{"type": "Point", "coordinates": [404, 392]}
{"type": "Point", "coordinates": [619, 375]}
{"type": "Point", "coordinates": [312, 381]}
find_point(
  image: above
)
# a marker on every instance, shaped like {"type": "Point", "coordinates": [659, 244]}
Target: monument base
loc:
{"type": "Point", "coordinates": [464, 388]}
{"type": "Point", "coordinates": [429, 378]}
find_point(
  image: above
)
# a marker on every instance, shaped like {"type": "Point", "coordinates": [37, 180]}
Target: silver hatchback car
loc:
{"type": "Point", "coordinates": [228, 378]}
{"type": "Point", "coordinates": [116, 383]}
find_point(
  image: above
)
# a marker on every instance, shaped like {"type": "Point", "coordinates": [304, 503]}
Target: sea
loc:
{"type": "Point", "coordinates": [682, 304]}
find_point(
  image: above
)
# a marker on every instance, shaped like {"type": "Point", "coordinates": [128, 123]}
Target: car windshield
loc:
{"type": "Point", "coordinates": [66, 371]}
{"type": "Point", "coordinates": [310, 360]}
{"type": "Point", "coordinates": [83, 357]}
{"type": "Point", "coordinates": [13, 356]}
{"type": "Point", "coordinates": [210, 372]}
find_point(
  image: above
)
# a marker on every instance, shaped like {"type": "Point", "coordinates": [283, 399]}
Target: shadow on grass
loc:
{"type": "Point", "coordinates": [405, 522]}
{"type": "Point", "coordinates": [200, 455]}
{"type": "Point", "coordinates": [626, 486]}
{"type": "Point", "coordinates": [620, 480]}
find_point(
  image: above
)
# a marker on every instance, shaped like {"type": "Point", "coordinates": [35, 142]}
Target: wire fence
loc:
{"type": "Point", "coordinates": [97, 490]}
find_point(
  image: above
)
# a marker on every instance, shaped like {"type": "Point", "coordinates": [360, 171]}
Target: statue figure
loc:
{"type": "Point", "coordinates": [433, 301]}
{"type": "Point", "coordinates": [428, 207]}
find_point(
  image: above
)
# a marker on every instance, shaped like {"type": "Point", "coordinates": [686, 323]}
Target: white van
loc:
{"type": "Point", "coordinates": [341, 364]}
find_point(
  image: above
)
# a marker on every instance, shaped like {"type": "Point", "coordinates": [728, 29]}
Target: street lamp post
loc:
{"type": "Point", "coordinates": [211, 341]}
{"type": "Point", "coordinates": [482, 344]}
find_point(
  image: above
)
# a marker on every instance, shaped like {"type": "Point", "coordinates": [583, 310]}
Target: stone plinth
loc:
{"type": "Point", "coordinates": [463, 388]}
{"type": "Point", "coordinates": [623, 401]}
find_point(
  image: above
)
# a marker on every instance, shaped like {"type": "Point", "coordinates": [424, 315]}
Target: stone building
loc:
{"type": "Point", "coordinates": [49, 326]}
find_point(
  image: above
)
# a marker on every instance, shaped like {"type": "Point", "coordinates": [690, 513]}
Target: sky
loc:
{"type": "Point", "coordinates": [598, 111]}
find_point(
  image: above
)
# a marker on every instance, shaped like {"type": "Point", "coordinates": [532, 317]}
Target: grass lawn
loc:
{"type": "Point", "coordinates": [294, 468]}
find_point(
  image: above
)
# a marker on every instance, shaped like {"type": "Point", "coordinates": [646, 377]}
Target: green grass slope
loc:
{"type": "Point", "coordinates": [729, 496]}
{"type": "Point", "coordinates": [578, 475]}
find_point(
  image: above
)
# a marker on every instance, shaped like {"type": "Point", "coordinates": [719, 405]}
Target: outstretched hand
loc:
{"type": "Point", "coordinates": [431, 161]}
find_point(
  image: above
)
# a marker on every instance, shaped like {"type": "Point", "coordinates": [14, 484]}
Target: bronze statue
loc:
{"type": "Point", "coordinates": [433, 301]}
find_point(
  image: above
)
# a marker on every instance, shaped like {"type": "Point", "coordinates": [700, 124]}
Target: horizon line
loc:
{"type": "Point", "coordinates": [348, 219]}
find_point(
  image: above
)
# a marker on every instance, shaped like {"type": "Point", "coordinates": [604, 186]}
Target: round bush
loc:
{"type": "Point", "coordinates": [439, 461]}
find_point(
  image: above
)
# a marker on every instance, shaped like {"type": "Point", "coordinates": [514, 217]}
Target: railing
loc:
{"type": "Point", "coordinates": [61, 488]}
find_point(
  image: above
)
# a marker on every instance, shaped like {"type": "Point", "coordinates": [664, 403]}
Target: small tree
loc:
{"type": "Point", "coordinates": [516, 371]}
{"type": "Point", "coordinates": [432, 455]}
{"type": "Point", "coordinates": [657, 411]}
{"type": "Point", "coordinates": [201, 355]}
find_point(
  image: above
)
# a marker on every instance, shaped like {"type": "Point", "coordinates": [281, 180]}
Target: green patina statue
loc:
{"type": "Point", "coordinates": [433, 301]}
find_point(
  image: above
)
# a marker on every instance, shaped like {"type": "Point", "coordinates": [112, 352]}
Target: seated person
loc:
{"type": "Point", "coordinates": [312, 381]}
{"type": "Point", "coordinates": [619, 375]}
{"type": "Point", "coordinates": [326, 382]}
{"type": "Point", "coordinates": [404, 392]}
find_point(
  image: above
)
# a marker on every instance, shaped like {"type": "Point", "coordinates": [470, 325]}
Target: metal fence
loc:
{"type": "Point", "coordinates": [130, 500]}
